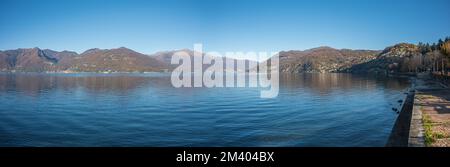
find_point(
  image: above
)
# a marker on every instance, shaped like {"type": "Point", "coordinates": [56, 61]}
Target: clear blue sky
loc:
{"type": "Point", "coordinates": [221, 25]}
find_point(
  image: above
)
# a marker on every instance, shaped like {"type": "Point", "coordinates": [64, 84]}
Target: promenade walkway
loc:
{"type": "Point", "coordinates": [430, 124]}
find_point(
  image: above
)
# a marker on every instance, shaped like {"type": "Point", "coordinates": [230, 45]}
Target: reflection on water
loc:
{"type": "Point", "coordinates": [32, 84]}
{"type": "Point", "coordinates": [326, 83]}
{"type": "Point", "coordinates": [145, 110]}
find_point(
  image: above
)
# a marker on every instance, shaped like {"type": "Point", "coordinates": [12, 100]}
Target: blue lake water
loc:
{"type": "Point", "coordinates": [145, 110]}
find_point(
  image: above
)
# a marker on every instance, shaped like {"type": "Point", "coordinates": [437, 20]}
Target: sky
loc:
{"type": "Point", "coordinates": [220, 25]}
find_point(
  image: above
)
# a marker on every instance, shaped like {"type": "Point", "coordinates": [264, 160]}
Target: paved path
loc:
{"type": "Point", "coordinates": [431, 110]}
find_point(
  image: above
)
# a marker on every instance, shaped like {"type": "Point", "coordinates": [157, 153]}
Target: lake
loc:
{"type": "Point", "coordinates": [145, 110]}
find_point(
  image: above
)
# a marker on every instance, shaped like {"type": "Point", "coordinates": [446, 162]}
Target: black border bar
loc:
{"type": "Point", "coordinates": [282, 156]}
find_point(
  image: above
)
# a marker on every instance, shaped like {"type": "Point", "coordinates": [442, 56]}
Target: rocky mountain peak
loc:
{"type": "Point", "coordinates": [321, 48]}
{"type": "Point", "coordinates": [90, 51]}
{"type": "Point", "coordinates": [401, 50]}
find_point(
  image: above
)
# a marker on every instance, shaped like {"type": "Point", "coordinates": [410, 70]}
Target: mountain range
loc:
{"type": "Point", "coordinates": [321, 59]}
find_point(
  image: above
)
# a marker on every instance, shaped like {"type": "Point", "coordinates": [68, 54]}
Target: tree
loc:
{"type": "Point", "coordinates": [434, 47]}
{"type": "Point", "coordinates": [445, 50]}
{"type": "Point", "coordinates": [439, 44]}
{"type": "Point", "coordinates": [422, 48]}
{"type": "Point", "coordinates": [428, 47]}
